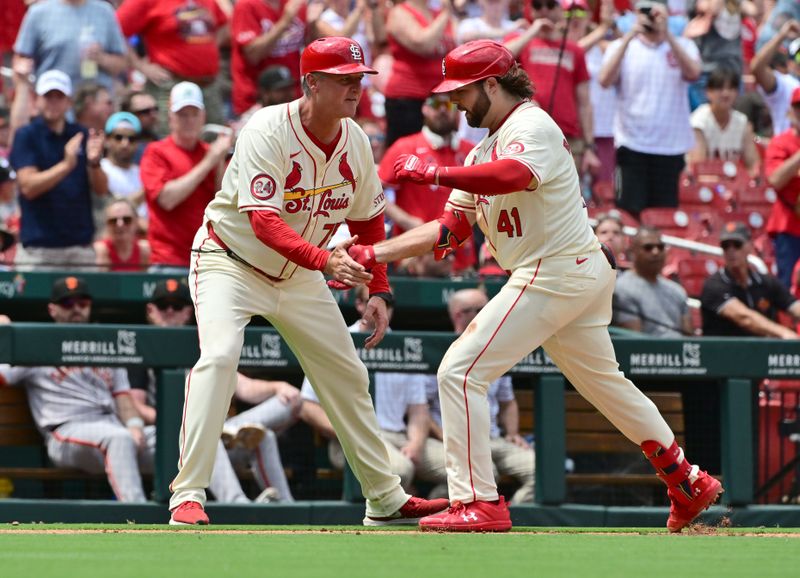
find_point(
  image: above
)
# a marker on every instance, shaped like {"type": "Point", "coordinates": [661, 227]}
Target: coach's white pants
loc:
{"type": "Point", "coordinates": [226, 295]}
{"type": "Point", "coordinates": [562, 304]}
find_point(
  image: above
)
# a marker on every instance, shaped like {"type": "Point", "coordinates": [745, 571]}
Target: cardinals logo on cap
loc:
{"type": "Point", "coordinates": [355, 52]}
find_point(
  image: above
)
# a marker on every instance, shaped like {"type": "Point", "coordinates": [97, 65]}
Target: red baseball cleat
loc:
{"type": "Point", "coordinates": [473, 517]}
{"type": "Point", "coordinates": [188, 514]}
{"type": "Point", "coordinates": [410, 512]}
{"type": "Point", "coordinates": [689, 500]}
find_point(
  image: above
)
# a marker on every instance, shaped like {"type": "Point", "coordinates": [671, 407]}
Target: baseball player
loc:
{"type": "Point", "coordinates": [298, 171]}
{"type": "Point", "coordinates": [85, 414]}
{"type": "Point", "coordinates": [521, 187]}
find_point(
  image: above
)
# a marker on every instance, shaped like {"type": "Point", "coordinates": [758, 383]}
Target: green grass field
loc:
{"type": "Point", "coordinates": [108, 551]}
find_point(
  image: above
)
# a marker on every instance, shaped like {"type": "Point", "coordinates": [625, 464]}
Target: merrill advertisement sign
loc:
{"type": "Point", "coordinates": [263, 351]}
{"type": "Point", "coordinates": [783, 365]}
{"type": "Point", "coordinates": [119, 351]}
{"type": "Point", "coordinates": [536, 362]}
{"type": "Point", "coordinates": [406, 354]}
{"type": "Point", "coordinates": [686, 360]}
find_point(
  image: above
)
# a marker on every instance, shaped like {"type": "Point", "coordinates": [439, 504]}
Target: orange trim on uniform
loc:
{"type": "Point", "coordinates": [466, 375]}
{"type": "Point", "coordinates": [262, 469]}
{"type": "Point", "coordinates": [109, 472]}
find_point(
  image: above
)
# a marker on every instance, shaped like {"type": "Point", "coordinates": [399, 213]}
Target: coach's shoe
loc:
{"type": "Point", "coordinates": [410, 512]}
{"type": "Point", "coordinates": [189, 514]}
{"type": "Point", "coordinates": [688, 500]}
{"type": "Point", "coordinates": [477, 516]}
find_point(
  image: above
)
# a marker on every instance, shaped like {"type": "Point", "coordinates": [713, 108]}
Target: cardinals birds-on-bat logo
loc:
{"type": "Point", "coordinates": [299, 199]}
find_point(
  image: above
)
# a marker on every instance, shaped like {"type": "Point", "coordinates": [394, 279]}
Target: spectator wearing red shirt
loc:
{"type": "Point", "coordinates": [417, 203]}
{"type": "Point", "coordinates": [419, 37]}
{"type": "Point", "coordinates": [264, 33]}
{"type": "Point", "coordinates": [180, 175]}
{"type": "Point", "coordinates": [181, 37]}
{"type": "Point", "coordinates": [561, 78]}
{"type": "Point", "coordinates": [782, 167]}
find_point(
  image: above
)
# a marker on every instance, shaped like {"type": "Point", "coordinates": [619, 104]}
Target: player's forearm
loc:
{"type": "Point", "coordinates": [412, 243]}
{"type": "Point", "coordinates": [781, 176]}
{"type": "Point", "coordinates": [690, 68]}
{"type": "Point", "coordinates": [273, 231]}
{"type": "Point", "coordinates": [98, 181]}
{"type": "Point", "coordinates": [499, 177]}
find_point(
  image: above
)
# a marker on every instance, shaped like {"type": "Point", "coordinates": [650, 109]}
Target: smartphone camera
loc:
{"type": "Point", "coordinates": [648, 12]}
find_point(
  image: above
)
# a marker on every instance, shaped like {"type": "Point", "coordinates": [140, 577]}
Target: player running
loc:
{"type": "Point", "coordinates": [521, 186]}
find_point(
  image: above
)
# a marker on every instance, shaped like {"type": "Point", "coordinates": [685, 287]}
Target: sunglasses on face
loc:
{"type": "Point", "coordinates": [72, 302]}
{"type": "Point", "coordinates": [650, 246]}
{"type": "Point", "coordinates": [441, 104]}
{"type": "Point", "coordinates": [148, 110]}
{"type": "Point", "coordinates": [734, 244]}
{"type": "Point", "coordinates": [163, 306]}
{"type": "Point", "coordinates": [128, 137]}
{"type": "Point", "coordinates": [120, 221]}
{"type": "Point", "coordinates": [576, 13]}
{"type": "Point", "coordinates": [539, 4]}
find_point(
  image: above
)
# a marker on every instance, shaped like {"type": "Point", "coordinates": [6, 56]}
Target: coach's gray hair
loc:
{"type": "Point", "coordinates": [304, 85]}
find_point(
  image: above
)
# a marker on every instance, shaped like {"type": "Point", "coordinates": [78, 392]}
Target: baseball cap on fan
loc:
{"type": "Point", "coordinates": [54, 80]}
{"type": "Point", "coordinates": [649, 4]}
{"type": "Point", "coordinates": [796, 96]}
{"type": "Point", "coordinates": [185, 94]}
{"type": "Point", "coordinates": [734, 231]}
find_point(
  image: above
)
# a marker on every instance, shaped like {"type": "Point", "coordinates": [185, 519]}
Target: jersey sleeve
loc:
{"type": "Point", "coordinates": [625, 305]}
{"type": "Point", "coordinates": [461, 200]}
{"type": "Point", "coordinates": [531, 141]}
{"type": "Point", "coordinates": [505, 390]}
{"type": "Point", "coordinates": [715, 294]}
{"type": "Point", "coordinates": [415, 382]}
{"type": "Point", "coordinates": [155, 172]}
{"type": "Point", "coordinates": [369, 199]}
{"type": "Point", "coordinates": [132, 16]}
{"type": "Point", "coordinates": [12, 375]}
{"type": "Point", "coordinates": [261, 172]}
{"type": "Point", "coordinates": [120, 381]}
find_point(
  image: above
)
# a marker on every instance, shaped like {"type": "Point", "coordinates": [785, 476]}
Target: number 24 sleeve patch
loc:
{"type": "Point", "coordinates": [262, 187]}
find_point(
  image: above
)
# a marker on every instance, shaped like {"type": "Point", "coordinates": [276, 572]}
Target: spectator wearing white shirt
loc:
{"type": "Point", "coordinates": [776, 78]}
{"type": "Point", "coordinates": [651, 69]}
{"type": "Point", "coordinates": [493, 23]}
{"type": "Point", "coordinates": [719, 131]}
{"type": "Point", "coordinates": [122, 137]}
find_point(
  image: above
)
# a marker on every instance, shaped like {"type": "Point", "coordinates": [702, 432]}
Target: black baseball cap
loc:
{"type": "Point", "coordinates": [276, 77]}
{"type": "Point", "coordinates": [69, 287]}
{"type": "Point", "coordinates": [734, 231]}
{"type": "Point", "coordinates": [171, 290]}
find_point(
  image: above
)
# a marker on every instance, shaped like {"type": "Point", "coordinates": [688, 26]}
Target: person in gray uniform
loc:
{"type": "Point", "coordinates": [85, 414]}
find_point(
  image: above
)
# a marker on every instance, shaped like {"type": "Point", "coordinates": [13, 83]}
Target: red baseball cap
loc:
{"type": "Point", "coordinates": [473, 61]}
{"type": "Point", "coordinates": [334, 55]}
{"type": "Point", "coordinates": [796, 96]}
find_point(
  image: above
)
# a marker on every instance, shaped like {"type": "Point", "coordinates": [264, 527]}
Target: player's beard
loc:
{"type": "Point", "coordinates": [479, 109]}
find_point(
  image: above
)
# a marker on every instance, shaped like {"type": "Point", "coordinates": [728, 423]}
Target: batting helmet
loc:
{"type": "Point", "coordinates": [334, 55]}
{"type": "Point", "coordinates": [473, 61]}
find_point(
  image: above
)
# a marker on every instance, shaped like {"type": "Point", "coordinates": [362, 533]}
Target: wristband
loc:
{"type": "Point", "coordinates": [135, 422]}
{"type": "Point", "coordinates": [386, 296]}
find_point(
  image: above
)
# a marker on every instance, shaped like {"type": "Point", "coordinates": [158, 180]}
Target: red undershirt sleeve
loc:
{"type": "Point", "coordinates": [370, 232]}
{"type": "Point", "coordinates": [273, 231]}
{"type": "Point", "coordinates": [498, 177]}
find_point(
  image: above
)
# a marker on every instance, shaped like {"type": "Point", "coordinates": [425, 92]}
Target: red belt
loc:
{"type": "Point", "coordinates": [235, 257]}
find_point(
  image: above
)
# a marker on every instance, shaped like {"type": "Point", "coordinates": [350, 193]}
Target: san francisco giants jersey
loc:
{"type": "Point", "coordinates": [544, 221]}
{"type": "Point", "coordinates": [277, 167]}
{"type": "Point", "coordinates": [58, 395]}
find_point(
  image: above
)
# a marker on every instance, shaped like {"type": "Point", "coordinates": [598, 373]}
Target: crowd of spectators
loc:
{"type": "Point", "coordinates": [117, 118]}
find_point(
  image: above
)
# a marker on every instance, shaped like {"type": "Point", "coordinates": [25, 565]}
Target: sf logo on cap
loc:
{"type": "Point", "coordinates": [355, 52]}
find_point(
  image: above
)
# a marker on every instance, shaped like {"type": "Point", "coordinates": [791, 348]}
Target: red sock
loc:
{"type": "Point", "coordinates": [670, 464]}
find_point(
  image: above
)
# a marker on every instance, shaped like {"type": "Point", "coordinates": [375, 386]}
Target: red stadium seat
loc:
{"type": "Point", "coordinates": [759, 197]}
{"type": "Point", "coordinates": [604, 194]}
{"type": "Point", "coordinates": [675, 222]}
{"type": "Point", "coordinates": [694, 271]}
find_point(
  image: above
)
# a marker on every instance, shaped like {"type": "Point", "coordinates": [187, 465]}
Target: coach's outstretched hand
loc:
{"type": "Point", "coordinates": [345, 271]}
{"type": "Point", "coordinates": [414, 169]}
{"type": "Point", "coordinates": [361, 254]}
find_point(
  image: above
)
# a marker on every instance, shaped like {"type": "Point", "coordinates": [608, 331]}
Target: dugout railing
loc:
{"type": "Point", "coordinates": [733, 363]}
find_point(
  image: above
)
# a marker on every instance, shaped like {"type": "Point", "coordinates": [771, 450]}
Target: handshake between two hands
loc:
{"type": "Point", "coordinates": [361, 254]}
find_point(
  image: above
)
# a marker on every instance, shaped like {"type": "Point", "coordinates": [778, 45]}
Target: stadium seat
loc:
{"type": "Point", "coordinates": [759, 197]}
{"type": "Point", "coordinates": [670, 221]}
{"type": "Point", "coordinates": [604, 194]}
{"type": "Point", "coordinates": [694, 271]}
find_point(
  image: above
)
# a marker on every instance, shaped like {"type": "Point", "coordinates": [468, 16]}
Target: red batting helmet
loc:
{"type": "Point", "coordinates": [473, 61]}
{"type": "Point", "coordinates": [334, 55]}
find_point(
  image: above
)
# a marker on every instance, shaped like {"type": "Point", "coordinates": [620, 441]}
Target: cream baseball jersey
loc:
{"type": "Point", "coordinates": [277, 167]}
{"type": "Point", "coordinates": [544, 221]}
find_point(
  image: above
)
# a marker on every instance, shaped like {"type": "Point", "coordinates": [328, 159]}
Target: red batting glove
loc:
{"type": "Point", "coordinates": [338, 285]}
{"type": "Point", "coordinates": [363, 255]}
{"type": "Point", "coordinates": [414, 169]}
